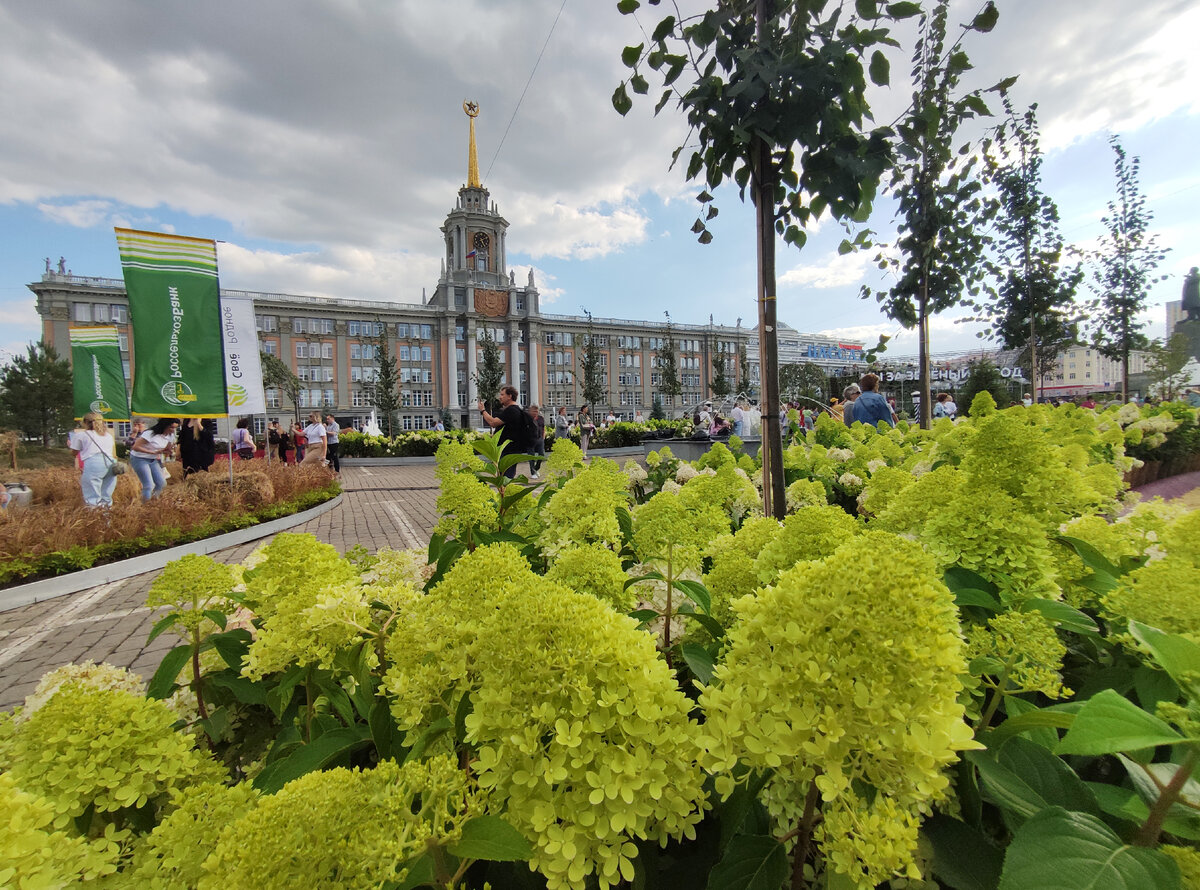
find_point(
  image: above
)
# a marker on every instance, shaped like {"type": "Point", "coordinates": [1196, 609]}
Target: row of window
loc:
{"type": "Point", "coordinates": [404, 331]}
{"type": "Point", "coordinates": [101, 313]}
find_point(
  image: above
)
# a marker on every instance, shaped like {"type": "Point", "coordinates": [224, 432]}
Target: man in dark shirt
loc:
{"type": "Point", "coordinates": [510, 422]}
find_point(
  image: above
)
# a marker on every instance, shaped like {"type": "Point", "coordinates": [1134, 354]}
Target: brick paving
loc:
{"type": "Point", "coordinates": [381, 507]}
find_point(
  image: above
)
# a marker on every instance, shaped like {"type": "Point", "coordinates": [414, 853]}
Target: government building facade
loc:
{"type": "Point", "coordinates": [330, 343]}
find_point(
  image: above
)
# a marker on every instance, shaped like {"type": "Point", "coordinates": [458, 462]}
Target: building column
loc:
{"type": "Point", "coordinates": [514, 357]}
{"type": "Point", "coordinates": [450, 390]}
{"type": "Point", "coordinates": [535, 365]}
{"type": "Point", "coordinates": [472, 347]}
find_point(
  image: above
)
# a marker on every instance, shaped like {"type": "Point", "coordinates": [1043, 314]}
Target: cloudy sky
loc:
{"type": "Point", "coordinates": [323, 142]}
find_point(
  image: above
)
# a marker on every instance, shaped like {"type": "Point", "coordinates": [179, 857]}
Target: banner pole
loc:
{"type": "Point", "coordinates": [229, 445]}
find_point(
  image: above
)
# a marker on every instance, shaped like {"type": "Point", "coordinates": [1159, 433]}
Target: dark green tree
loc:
{"type": "Point", "coordinates": [1033, 308]}
{"type": "Point", "coordinates": [776, 100]}
{"type": "Point", "coordinates": [798, 382]}
{"type": "Point", "coordinates": [35, 393]}
{"type": "Point", "coordinates": [720, 385]}
{"type": "Point", "coordinates": [666, 363]}
{"type": "Point", "coordinates": [1123, 268]}
{"type": "Point", "coordinates": [983, 376]}
{"type": "Point", "coordinates": [489, 373]}
{"type": "Point", "coordinates": [1165, 363]}
{"type": "Point", "coordinates": [744, 384]}
{"type": "Point", "coordinates": [387, 383]}
{"type": "Point", "coordinates": [941, 208]}
{"type": "Point", "coordinates": [656, 411]}
{"type": "Point", "coordinates": [277, 375]}
{"type": "Point", "coordinates": [591, 368]}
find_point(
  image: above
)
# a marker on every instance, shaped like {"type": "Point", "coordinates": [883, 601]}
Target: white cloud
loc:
{"type": "Point", "coordinates": [81, 214]}
{"type": "Point", "coordinates": [835, 270]}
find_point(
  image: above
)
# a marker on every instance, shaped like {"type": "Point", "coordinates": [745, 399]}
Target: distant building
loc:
{"type": "Point", "coordinates": [329, 342]}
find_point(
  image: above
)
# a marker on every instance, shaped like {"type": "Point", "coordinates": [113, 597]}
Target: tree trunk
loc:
{"type": "Point", "coordinates": [774, 502]}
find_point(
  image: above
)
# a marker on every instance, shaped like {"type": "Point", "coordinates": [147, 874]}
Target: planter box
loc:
{"type": "Point", "coordinates": [694, 449]}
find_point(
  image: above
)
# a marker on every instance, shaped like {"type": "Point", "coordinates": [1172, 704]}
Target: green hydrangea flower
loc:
{"type": "Point", "coordinates": [808, 534]}
{"type": "Point", "coordinates": [672, 528]}
{"type": "Point", "coordinates": [846, 674]}
{"type": "Point", "coordinates": [310, 626]}
{"type": "Point", "coordinates": [342, 829]}
{"type": "Point", "coordinates": [732, 574]}
{"type": "Point", "coordinates": [584, 510]}
{"type": "Point", "coordinates": [104, 749]}
{"type": "Point", "coordinates": [595, 570]}
{"type": "Point", "coordinates": [805, 493]}
{"type": "Point", "coordinates": [581, 734]}
{"type": "Point", "coordinates": [288, 564]}
{"type": "Point", "coordinates": [1188, 860]}
{"type": "Point", "coordinates": [1027, 647]}
{"type": "Point", "coordinates": [190, 585]}
{"type": "Point", "coordinates": [1161, 594]}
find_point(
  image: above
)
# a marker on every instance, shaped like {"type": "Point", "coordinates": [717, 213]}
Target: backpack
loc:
{"type": "Point", "coordinates": [529, 434]}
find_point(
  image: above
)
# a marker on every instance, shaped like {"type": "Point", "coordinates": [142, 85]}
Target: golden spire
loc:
{"type": "Point", "coordinates": [472, 110]}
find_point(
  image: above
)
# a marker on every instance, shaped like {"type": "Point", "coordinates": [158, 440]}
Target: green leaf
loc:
{"type": "Point", "coordinates": [1153, 686]}
{"type": "Point", "coordinates": [491, 838]}
{"type": "Point", "coordinates": [710, 624]}
{"type": "Point", "coordinates": [245, 690]}
{"type": "Point", "coordinates": [1106, 573]}
{"type": "Point", "coordinates": [963, 857]}
{"type": "Point", "coordinates": [1047, 774]}
{"type": "Point", "coordinates": [643, 615]}
{"type": "Point", "coordinates": [216, 724]}
{"type": "Point", "coordinates": [697, 593]}
{"type": "Point", "coordinates": [867, 9]}
{"type": "Point", "coordinates": [751, 862]}
{"type": "Point", "coordinates": [232, 646]}
{"type": "Point", "coordinates": [625, 7]}
{"type": "Point", "coordinates": [880, 69]}
{"type": "Point", "coordinates": [216, 616]}
{"type": "Point", "coordinates": [1109, 723]}
{"type": "Point", "coordinates": [699, 661]}
{"type": "Point", "coordinates": [314, 756]}
{"type": "Point", "coordinates": [973, 596]}
{"type": "Point", "coordinates": [631, 54]}
{"type": "Point", "coordinates": [986, 20]}
{"type": "Point", "coordinates": [1145, 776]}
{"type": "Point", "coordinates": [388, 739]}
{"type": "Point", "coordinates": [733, 810]}
{"type": "Point", "coordinates": [956, 577]}
{"type": "Point", "coordinates": [1074, 851]}
{"type": "Point", "coordinates": [663, 28]}
{"type": "Point", "coordinates": [161, 625]}
{"type": "Point", "coordinates": [1064, 616]}
{"type": "Point", "coordinates": [461, 713]}
{"type": "Point", "coordinates": [1005, 788]}
{"type": "Point", "coordinates": [905, 10]}
{"type": "Point", "coordinates": [433, 732]}
{"type": "Point", "coordinates": [1123, 803]}
{"type": "Point", "coordinates": [162, 684]}
{"type": "Point", "coordinates": [1039, 725]}
{"type": "Point", "coordinates": [621, 101]}
{"type": "Point", "coordinates": [1178, 656]}
{"type": "Point", "coordinates": [666, 96]}
{"type": "Point", "coordinates": [421, 873]}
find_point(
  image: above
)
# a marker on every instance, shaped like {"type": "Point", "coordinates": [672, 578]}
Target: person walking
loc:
{"type": "Point", "coordinates": [315, 439]}
{"type": "Point", "coordinates": [538, 446]}
{"type": "Point", "coordinates": [850, 394]}
{"type": "Point", "coordinates": [870, 407]}
{"type": "Point", "coordinates": [586, 428]}
{"type": "Point", "coordinates": [96, 446]}
{"type": "Point", "coordinates": [945, 406]}
{"type": "Point", "coordinates": [243, 442]}
{"type": "Point", "coordinates": [333, 451]}
{"type": "Point", "coordinates": [562, 425]}
{"type": "Point", "coordinates": [149, 451]}
{"type": "Point", "coordinates": [512, 423]}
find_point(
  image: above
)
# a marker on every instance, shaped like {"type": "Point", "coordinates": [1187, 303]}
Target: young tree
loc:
{"type": "Point", "coordinates": [489, 374]}
{"type": "Point", "coordinates": [666, 360]}
{"type": "Point", "coordinates": [277, 375]}
{"type": "Point", "coordinates": [1165, 364]}
{"type": "Point", "coordinates": [387, 384]}
{"type": "Point", "coordinates": [776, 101]}
{"type": "Point", "coordinates": [743, 370]}
{"type": "Point", "coordinates": [35, 393]}
{"type": "Point", "coordinates": [983, 376]}
{"type": "Point", "coordinates": [720, 384]}
{"type": "Point", "coordinates": [1033, 309]}
{"type": "Point", "coordinates": [656, 411]}
{"type": "Point", "coordinates": [1123, 268]}
{"type": "Point", "coordinates": [803, 381]}
{"type": "Point", "coordinates": [591, 367]}
{"type": "Point", "coordinates": [941, 208]}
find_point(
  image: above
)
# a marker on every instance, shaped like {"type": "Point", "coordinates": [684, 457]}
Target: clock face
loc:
{"type": "Point", "coordinates": [480, 241]}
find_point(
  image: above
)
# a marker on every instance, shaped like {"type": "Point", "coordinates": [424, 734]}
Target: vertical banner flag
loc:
{"type": "Point", "coordinates": [175, 312]}
{"type": "Point", "coordinates": [99, 374]}
{"type": "Point", "coordinates": [243, 368]}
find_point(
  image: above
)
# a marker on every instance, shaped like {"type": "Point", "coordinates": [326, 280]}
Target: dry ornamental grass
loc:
{"type": "Point", "coordinates": [59, 521]}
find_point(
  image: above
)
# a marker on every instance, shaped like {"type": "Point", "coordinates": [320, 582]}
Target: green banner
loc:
{"type": "Point", "coordinates": [99, 376]}
{"type": "Point", "coordinates": [175, 312]}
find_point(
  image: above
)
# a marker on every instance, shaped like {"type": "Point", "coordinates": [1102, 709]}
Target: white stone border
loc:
{"type": "Point", "coordinates": [62, 585]}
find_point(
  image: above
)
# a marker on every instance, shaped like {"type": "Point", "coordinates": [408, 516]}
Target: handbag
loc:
{"type": "Point", "coordinates": [116, 467]}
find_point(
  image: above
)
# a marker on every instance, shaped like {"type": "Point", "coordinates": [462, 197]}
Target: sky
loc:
{"type": "Point", "coordinates": [322, 143]}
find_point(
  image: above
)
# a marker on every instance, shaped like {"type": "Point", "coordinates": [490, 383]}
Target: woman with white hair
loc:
{"type": "Point", "coordinates": [98, 457]}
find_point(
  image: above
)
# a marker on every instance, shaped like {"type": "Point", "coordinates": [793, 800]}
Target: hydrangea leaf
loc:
{"type": "Point", "coordinates": [162, 684]}
{"type": "Point", "coordinates": [491, 838]}
{"type": "Point", "coordinates": [1066, 617]}
{"type": "Point", "coordinates": [311, 757]}
{"type": "Point", "coordinates": [1074, 851]}
{"type": "Point", "coordinates": [1179, 657]}
{"type": "Point", "coordinates": [1109, 723]}
{"type": "Point", "coordinates": [752, 862]}
{"type": "Point", "coordinates": [963, 857]}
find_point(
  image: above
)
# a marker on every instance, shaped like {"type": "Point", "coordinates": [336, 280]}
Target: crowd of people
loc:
{"type": "Point", "coordinates": [193, 442]}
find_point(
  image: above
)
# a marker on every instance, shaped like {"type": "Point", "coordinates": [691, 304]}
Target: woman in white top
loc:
{"type": "Point", "coordinates": [316, 435]}
{"type": "Point", "coordinates": [97, 454]}
{"type": "Point", "coordinates": [148, 452]}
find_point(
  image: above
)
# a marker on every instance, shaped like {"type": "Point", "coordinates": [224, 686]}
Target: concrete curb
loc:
{"type": "Point", "coordinates": [613, 453]}
{"type": "Point", "coordinates": [37, 591]}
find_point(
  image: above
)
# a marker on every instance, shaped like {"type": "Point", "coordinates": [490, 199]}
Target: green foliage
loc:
{"type": "Point", "coordinates": [35, 393]}
{"type": "Point", "coordinates": [591, 372]}
{"type": "Point", "coordinates": [984, 377]}
{"type": "Point", "coordinates": [387, 382]}
{"type": "Point", "coordinates": [803, 381]}
{"type": "Point", "coordinates": [277, 375]}
{"type": "Point", "coordinates": [489, 373]}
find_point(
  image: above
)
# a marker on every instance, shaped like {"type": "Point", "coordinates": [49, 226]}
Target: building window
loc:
{"type": "Point", "coordinates": [268, 324]}
{"type": "Point", "coordinates": [426, 332]}
{"type": "Point", "coordinates": [83, 312]}
{"type": "Point", "coordinates": [402, 354]}
{"type": "Point", "coordinates": [100, 313]}
{"type": "Point", "coordinates": [119, 313]}
{"type": "Point", "coordinates": [326, 350]}
{"type": "Point", "coordinates": [269, 347]}
{"type": "Point", "coordinates": [301, 350]}
{"type": "Point", "coordinates": [123, 342]}
{"type": "Point", "coordinates": [426, 354]}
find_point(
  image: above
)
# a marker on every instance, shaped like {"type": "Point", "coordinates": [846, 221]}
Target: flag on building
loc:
{"type": "Point", "coordinates": [175, 313]}
{"type": "Point", "coordinates": [243, 368]}
{"type": "Point", "coordinates": [99, 376]}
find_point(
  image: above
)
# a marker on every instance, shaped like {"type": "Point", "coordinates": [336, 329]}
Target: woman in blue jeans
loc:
{"type": "Point", "coordinates": [147, 454]}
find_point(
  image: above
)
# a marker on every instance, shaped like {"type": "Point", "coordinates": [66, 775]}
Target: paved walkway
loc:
{"type": "Point", "coordinates": [381, 507]}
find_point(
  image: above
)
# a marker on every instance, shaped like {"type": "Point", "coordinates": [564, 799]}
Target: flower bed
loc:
{"type": "Point", "coordinates": [57, 535]}
{"type": "Point", "coordinates": [950, 666]}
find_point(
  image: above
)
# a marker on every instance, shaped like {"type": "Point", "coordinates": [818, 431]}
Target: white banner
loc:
{"type": "Point", "coordinates": [243, 370]}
